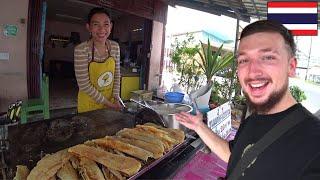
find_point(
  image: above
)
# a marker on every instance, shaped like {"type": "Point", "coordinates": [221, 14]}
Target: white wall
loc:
{"type": "Point", "coordinates": [13, 72]}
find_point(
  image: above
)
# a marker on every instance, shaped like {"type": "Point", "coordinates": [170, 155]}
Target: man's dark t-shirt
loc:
{"type": "Point", "coordinates": [295, 155]}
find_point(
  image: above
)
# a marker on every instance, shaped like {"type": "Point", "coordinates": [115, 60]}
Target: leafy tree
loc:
{"type": "Point", "coordinates": [184, 57]}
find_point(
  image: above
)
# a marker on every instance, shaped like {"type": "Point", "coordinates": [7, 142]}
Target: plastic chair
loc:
{"type": "Point", "coordinates": [31, 106]}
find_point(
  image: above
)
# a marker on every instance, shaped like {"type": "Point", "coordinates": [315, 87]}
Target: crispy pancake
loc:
{"type": "Point", "coordinates": [134, 134]}
{"type": "Point", "coordinates": [89, 170]}
{"type": "Point", "coordinates": [21, 173]}
{"type": "Point", "coordinates": [157, 151]}
{"type": "Point", "coordinates": [173, 133]}
{"type": "Point", "coordinates": [110, 174]}
{"type": "Point", "coordinates": [67, 172]}
{"type": "Point", "coordinates": [166, 143]}
{"type": "Point", "coordinates": [74, 162]}
{"type": "Point", "coordinates": [113, 161]}
{"type": "Point", "coordinates": [159, 133]}
{"type": "Point", "coordinates": [134, 151]}
{"type": "Point", "coordinates": [48, 166]}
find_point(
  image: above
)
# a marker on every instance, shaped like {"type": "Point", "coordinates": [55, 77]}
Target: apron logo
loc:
{"type": "Point", "coordinates": [105, 79]}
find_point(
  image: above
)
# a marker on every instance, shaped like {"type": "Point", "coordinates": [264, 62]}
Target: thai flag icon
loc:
{"type": "Point", "coordinates": [299, 17]}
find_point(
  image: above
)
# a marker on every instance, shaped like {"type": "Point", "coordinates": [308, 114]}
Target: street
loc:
{"type": "Point", "coordinates": [312, 92]}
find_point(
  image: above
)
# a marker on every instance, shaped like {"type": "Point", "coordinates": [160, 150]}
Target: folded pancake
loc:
{"type": "Point", "coordinates": [151, 129]}
{"type": "Point", "coordinates": [107, 174]}
{"type": "Point", "coordinates": [110, 174]}
{"type": "Point", "coordinates": [21, 173]}
{"type": "Point", "coordinates": [157, 151]}
{"type": "Point", "coordinates": [112, 161]}
{"type": "Point", "coordinates": [135, 134]}
{"type": "Point", "coordinates": [53, 178]}
{"type": "Point", "coordinates": [158, 132]}
{"type": "Point", "coordinates": [173, 133]}
{"type": "Point", "coordinates": [113, 143]}
{"type": "Point", "coordinates": [89, 170]}
{"type": "Point", "coordinates": [75, 162]}
{"type": "Point", "coordinates": [48, 166]}
{"type": "Point", "coordinates": [67, 172]}
{"type": "Point", "coordinates": [167, 142]}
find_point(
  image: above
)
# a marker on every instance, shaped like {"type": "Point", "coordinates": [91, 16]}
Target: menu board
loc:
{"type": "Point", "coordinates": [219, 120]}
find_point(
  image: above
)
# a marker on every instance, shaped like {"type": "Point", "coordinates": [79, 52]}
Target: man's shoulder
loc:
{"type": "Point", "coordinates": [309, 118]}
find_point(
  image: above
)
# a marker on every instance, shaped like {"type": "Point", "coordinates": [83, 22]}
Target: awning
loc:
{"type": "Point", "coordinates": [241, 9]}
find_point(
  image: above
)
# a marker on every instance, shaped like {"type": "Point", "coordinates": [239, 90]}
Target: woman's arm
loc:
{"type": "Point", "coordinates": [115, 52]}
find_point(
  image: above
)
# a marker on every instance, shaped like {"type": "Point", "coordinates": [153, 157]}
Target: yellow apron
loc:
{"type": "Point", "coordinates": [101, 77]}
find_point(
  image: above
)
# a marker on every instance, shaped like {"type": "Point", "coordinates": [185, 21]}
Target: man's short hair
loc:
{"type": "Point", "coordinates": [271, 26]}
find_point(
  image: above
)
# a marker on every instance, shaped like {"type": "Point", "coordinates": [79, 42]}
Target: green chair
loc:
{"type": "Point", "coordinates": [32, 107]}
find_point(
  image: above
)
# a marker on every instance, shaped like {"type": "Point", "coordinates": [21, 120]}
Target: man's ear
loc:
{"type": "Point", "coordinates": [292, 67]}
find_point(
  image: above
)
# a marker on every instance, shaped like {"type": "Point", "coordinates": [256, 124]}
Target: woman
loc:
{"type": "Point", "coordinates": [97, 65]}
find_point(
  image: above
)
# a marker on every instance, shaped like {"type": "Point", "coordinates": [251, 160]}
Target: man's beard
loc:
{"type": "Point", "coordinates": [274, 98]}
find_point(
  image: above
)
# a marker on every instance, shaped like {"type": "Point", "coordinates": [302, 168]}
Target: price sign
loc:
{"type": "Point", "coordinates": [219, 120]}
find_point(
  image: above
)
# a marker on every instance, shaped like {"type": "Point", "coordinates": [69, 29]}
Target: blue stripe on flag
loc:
{"type": "Point", "coordinates": [294, 18]}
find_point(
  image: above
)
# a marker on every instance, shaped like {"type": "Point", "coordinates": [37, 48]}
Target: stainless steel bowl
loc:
{"type": "Point", "coordinates": [167, 111]}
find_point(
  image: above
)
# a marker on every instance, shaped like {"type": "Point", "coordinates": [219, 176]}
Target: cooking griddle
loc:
{"type": "Point", "coordinates": [29, 142]}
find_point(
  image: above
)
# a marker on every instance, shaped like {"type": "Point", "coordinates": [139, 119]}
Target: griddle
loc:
{"type": "Point", "coordinates": [28, 143]}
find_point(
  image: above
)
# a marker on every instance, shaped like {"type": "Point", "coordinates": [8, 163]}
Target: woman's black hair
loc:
{"type": "Point", "coordinates": [97, 10]}
{"type": "Point", "coordinates": [270, 26]}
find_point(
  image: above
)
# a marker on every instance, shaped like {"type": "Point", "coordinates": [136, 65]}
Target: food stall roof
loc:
{"type": "Point", "coordinates": [242, 9]}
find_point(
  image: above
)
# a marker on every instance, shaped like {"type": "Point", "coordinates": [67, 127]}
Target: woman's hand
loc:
{"type": "Point", "coordinates": [114, 106]}
{"type": "Point", "coordinates": [190, 121]}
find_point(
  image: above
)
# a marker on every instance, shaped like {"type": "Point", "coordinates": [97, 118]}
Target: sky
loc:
{"type": "Point", "coordinates": [181, 19]}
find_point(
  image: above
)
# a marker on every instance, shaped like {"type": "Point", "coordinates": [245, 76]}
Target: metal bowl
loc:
{"type": "Point", "coordinates": [167, 111]}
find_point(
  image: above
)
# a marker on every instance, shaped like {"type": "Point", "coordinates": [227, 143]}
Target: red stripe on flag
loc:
{"type": "Point", "coordinates": [304, 32]}
{"type": "Point", "coordinates": [293, 4]}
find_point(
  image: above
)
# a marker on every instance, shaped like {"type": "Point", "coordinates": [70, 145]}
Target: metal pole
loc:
{"type": "Point", "coordinates": [306, 78]}
{"type": "Point", "coordinates": [234, 63]}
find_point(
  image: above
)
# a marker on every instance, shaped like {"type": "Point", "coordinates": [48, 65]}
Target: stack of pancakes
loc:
{"type": "Point", "coordinates": [111, 157]}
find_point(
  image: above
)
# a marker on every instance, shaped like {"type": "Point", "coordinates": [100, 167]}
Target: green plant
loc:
{"type": "Point", "coordinates": [213, 62]}
{"type": "Point", "coordinates": [239, 99]}
{"type": "Point", "coordinates": [222, 88]}
{"type": "Point", "coordinates": [183, 56]}
{"type": "Point", "coordinates": [297, 93]}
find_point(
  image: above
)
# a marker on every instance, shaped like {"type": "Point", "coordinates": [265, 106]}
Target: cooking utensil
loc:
{"type": "Point", "coordinates": [150, 107]}
{"type": "Point", "coordinates": [121, 102]}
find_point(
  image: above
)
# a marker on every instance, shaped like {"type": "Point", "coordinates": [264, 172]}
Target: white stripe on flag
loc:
{"type": "Point", "coordinates": [292, 10]}
{"type": "Point", "coordinates": [301, 26]}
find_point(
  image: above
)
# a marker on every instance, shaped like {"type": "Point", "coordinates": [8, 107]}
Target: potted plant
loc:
{"type": "Point", "coordinates": [211, 62]}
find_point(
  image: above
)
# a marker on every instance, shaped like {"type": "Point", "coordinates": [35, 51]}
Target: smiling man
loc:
{"type": "Point", "coordinates": [266, 60]}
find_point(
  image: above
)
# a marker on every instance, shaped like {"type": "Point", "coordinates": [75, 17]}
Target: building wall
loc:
{"type": "Point", "coordinates": [13, 72]}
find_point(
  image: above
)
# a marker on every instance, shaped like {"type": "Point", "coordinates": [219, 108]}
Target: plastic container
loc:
{"type": "Point", "coordinates": [173, 97]}
{"type": "Point", "coordinates": [142, 95]}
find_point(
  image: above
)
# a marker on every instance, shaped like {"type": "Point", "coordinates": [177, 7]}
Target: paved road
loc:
{"type": "Point", "coordinates": [312, 103]}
